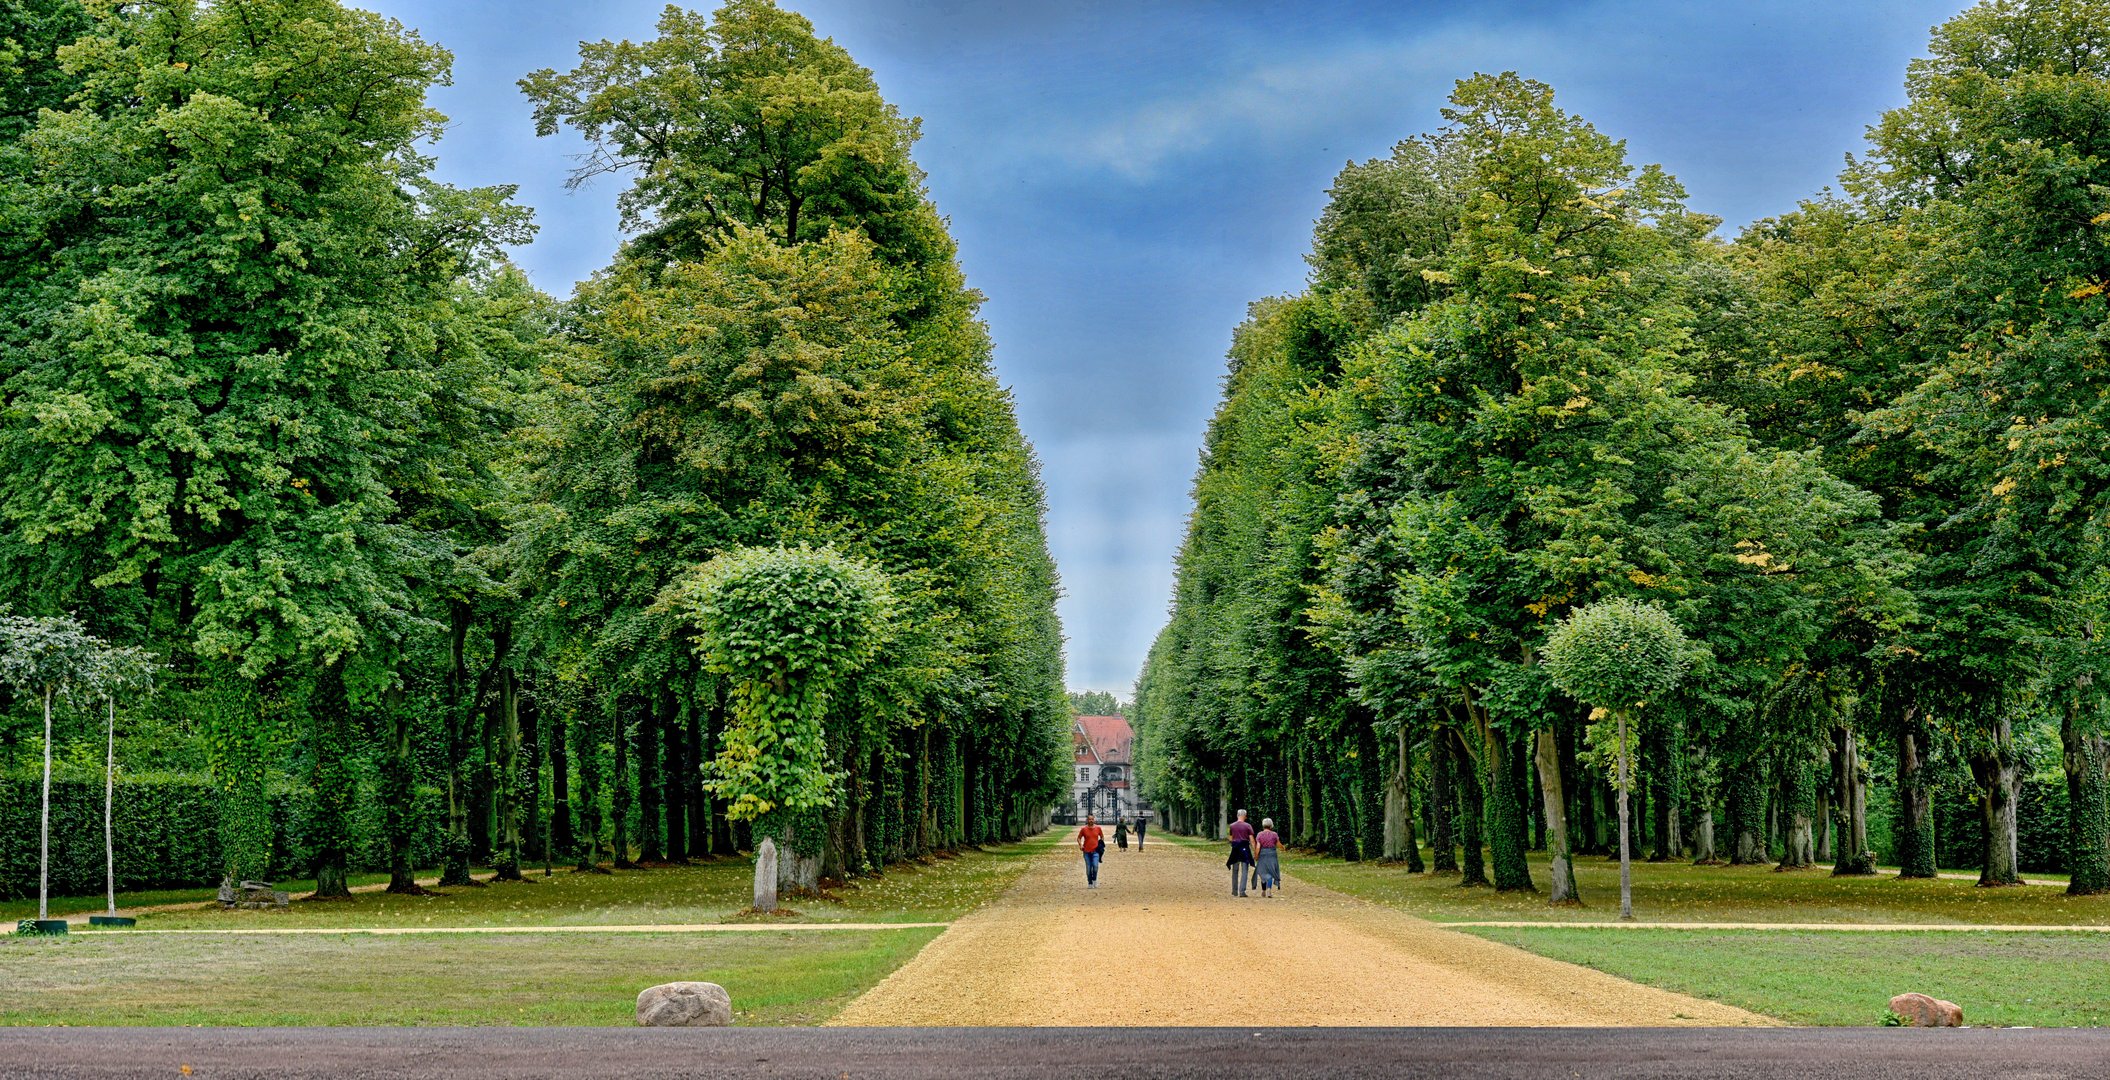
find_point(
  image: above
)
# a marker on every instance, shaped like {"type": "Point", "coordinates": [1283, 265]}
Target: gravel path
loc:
{"type": "Point", "coordinates": [1161, 942]}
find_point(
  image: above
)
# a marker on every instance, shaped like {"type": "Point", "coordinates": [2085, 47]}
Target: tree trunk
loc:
{"type": "Point", "coordinates": [1853, 857]}
{"type": "Point", "coordinates": [399, 794]}
{"type": "Point", "coordinates": [676, 783]}
{"type": "Point", "coordinates": [1996, 769]}
{"type": "Point", "coordinates": [1406, 795]}
{"type": "Point", "coordinates": [1663, 777]}
{"type": "Point", "coordinates": [1821, 846]}
{"type": "Point", "coordinates": [334, 785]}
{"type": "Point", "coordinates": [454, 858]}
{"type": "Point", "coordinates": [626, 724]}
{"type": "Point", "coordinates": [1549, 763]}
{"type": "Point", "coordinates": [1443, 810]}
{"type": "Point", "coordinates": [1798, 794]}
{"type": "Point", "coordinates": [1703, 801]}
{"type": "Point", "coordinates": [534, 824]}
{"type": "Point", "coordinates": [1508, 840]}
{"type": "Point", "coordinates": [1626, 858]}
{"type": "Point", "coordinates": [586, 729]}
{"type": "Point", "coordinates": [1747, 814]}
{"type": "Point", "coordinates": [505, 779]}
{"type": "Point", "coordinates": [1396, 826]}
{"type": "Point", "coordinates": [2087, 762]}
{"type": "Point", "coordinates": [1472, 868]}
{"type": "Point", "coordinates": [1915, 818]}
{"type": "Point", "coordinates": [700, 824]}
{"type": "Point", "coordinates": [563, 842]}
{"type": "Point", "coordinates": [1371, 798]}
{"type": "Point", "coordinates": [649, 775]}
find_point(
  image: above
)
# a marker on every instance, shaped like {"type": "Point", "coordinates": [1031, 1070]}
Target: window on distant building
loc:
{"type": "Point", "coordinates": [1084, 774]}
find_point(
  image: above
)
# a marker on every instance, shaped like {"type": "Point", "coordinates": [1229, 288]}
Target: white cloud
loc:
{"type": "Point", "coordinates": [1320, 94]}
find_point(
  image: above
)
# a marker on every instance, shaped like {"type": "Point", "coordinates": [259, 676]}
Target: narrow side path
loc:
{"type": "Point", "coordinates": [1161, 942]}
{"type": "Point", "coordinates": [615, 928]}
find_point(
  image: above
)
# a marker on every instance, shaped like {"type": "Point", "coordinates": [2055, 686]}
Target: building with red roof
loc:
{"type": "Point", "coordinates": [1104, 781]}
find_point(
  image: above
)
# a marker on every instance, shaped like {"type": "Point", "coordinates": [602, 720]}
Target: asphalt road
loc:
{"type": "Point", "coordinates": [1072, 1054]}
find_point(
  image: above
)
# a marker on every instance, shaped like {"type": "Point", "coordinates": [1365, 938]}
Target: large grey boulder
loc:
{"type": "Point", "coordinates": [685, 1004]}
{"type": "Point", "coordinates": [766, 875]}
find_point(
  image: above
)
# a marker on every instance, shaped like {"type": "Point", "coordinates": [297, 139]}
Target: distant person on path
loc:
{"type": "Point", "coordinates": [1092, 841]}
{"type": "Point", "coordinates": [1241, 853]}
{"type": "Point", "coordinates": [1267, 853]}
{"type": "Point", "coordinates": [1121, 833]}
{"type": "Point", "coordinates": [1139, 833]}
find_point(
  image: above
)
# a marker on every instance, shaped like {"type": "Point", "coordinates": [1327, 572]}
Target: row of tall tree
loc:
{"type": "Point", "coordinates": [1857, 452]}
{"type": "Point", "coordinates": [277, 408]}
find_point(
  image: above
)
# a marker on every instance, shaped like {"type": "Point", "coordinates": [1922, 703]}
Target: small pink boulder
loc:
{"type": "Point", "coordinates": [1919, 1010]}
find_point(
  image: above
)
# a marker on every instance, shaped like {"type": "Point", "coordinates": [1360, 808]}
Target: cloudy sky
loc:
{"type": "Point", "coordinates": [1124, 177]}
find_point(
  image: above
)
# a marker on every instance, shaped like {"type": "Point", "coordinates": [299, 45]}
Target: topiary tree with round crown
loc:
{"type": "Point", "coordinates": [1616, 656]}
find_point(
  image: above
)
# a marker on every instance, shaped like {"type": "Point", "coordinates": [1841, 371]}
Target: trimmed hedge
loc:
{"type": "Point", "coordinates": [167, 833]}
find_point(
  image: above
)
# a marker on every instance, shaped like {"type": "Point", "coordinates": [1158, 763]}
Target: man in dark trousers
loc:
{"type": "Point", "coordinates": [1140, 819]}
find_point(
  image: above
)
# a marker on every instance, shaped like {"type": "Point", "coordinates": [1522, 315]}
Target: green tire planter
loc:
{"type": "Point", "coordinates": [40, 927]}
{"type": "Point", "coordinates": [112, 920]}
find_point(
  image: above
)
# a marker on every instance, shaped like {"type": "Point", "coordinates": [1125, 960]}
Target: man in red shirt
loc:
{"type": "Point", "coordinates": [1092, 841]}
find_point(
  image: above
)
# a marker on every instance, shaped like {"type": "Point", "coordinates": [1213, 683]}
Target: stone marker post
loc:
{"type": "Point", "coordinates": [766, 875]}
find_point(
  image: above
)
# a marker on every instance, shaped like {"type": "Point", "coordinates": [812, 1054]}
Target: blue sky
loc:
{"type": "Point", "coordinates": [1124, 178]}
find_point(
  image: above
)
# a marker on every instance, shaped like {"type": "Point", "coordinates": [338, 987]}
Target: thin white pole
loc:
{"type": "Point", "coordinates": [44, 834]}
{"type": "Point", "coordinates": [109, 799]}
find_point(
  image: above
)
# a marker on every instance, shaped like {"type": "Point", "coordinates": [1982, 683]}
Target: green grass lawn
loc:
{"type": "Point", "coordinates": [593, 979]}
{"type": "Point", "coordinates": [708, 892]}
{"type": "Point", "coordinates": [793, 977]}
{"type": "Point", "coordinates": [1848, 977]}
{"type": "Point", "coordinates": [1681, 892]}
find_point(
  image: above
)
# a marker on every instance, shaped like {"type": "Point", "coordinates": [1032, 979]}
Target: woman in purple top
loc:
{"type": "Point", "coordinates": [1241, 853]}
{"type": "Point", "coordinates": [1267, 848]}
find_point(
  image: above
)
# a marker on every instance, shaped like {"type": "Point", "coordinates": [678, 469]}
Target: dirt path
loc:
{"type": "Point", "coordinates": [1161, 942]}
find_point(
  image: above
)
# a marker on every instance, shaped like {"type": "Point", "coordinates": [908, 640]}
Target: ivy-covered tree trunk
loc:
{"type": "Point", "coordinates": [1664, 757]}
{"type": "Point", "coordinates": [534, 826]}
{"type": "Point", "coordinates": [587, 727]}
{"type": "Point", "coordinates": [1850, 821]}
{"type": "Point", "coordinates": [1914, 829]}
{"type": "Point", "coordinates": [629, 711]}
{"type": "Point", "coordinates": [1443, 809]}
{"type": "Point", "coordinates": [454, 858]}
{"type": "Point", "coordinates": [330, 719]}
{"type": "Point", "coordinates": [399, 793]}
{"type": "Point", "coordinates": [1556, 801]}
{"type": "Point", "coordinates": [563, 841]}
{"type": "Point", "coordinates": [1372, 788]}
{"type": "Point", "coordinates": [1997, 767]}
{"type": "Point", "coordinates": [1798, 795]}
{"type": "Point", "coordinates": [1472, 815]}
{"type": "Point", "coordinates": [645, 742]}
{"type": "Point", "coordinates": [1747, 814]}
{"type": "Point", "coordinates": [1398, 813]}
{"type": "Point", "coordinates": [2087, 761]}
{"type": "Point", "coordinates": [700, 820]}
{"type": "Point", "coordinates": [505, 775]}
{"type": "Point", "coordinates": [676, 773]}
{"type": "Point", "coordinates": [725, 840]}
{"type": "Point", "coordinates": [1822, 838]}
{"type": "Point", "coordinates": [1703, 801]}
{"type": "Point", "coordinates": [1508, 842]}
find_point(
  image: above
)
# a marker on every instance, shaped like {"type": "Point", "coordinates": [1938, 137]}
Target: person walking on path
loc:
{"type": "Point", "coordinates": [1267, 855]}
{"type": "Point", "coordinates": [1121, 833]}
{"type": "Point", "coordinates": [1139, 832]}
{"type": "Point", "coordinates": [1092, 841]}
{"type": "Point", "coordinates": [1241, 853]}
